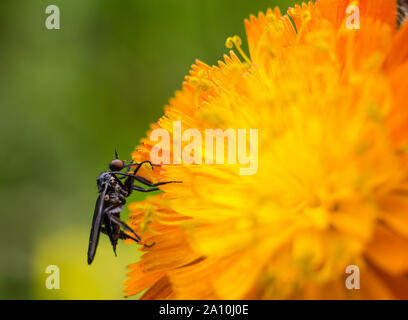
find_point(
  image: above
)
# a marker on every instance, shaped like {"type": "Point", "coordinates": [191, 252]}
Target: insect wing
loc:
{"type": "Point", "coordinates": [96, 225]}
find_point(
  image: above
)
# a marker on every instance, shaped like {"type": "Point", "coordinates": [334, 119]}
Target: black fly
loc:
{"type": "Point", "coordinates": [112, 197]}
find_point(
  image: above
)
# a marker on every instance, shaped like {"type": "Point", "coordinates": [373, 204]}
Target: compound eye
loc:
{"type": "Point", "coordinates": [116, 165]}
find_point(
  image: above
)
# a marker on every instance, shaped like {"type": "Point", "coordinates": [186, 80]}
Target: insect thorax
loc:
{"type": "Point", "coordinates": [102, 179]}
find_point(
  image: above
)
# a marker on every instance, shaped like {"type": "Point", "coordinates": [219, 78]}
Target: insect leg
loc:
{"type": "Point", "coordinates": [126, 227]}
{"type": "Point", "coordinates": [121, 223]}
{"type": "Point", "coordinates": [141, 189]}
{"type": "Point", "coordinates": [143, 180]}
{"type": "Point", "coordinates": [122, 235]}
{"type": "Point", "coordinates": [140, 164]}
{"type": "Point", "coordinates": [128, 166]}
{"type": "Point", "coordinates": [151, 184]}
{"type": "Point", "coordinates": [125, 236]}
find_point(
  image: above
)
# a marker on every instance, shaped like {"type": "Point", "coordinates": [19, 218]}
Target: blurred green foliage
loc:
{"type": "Point", "coordinates": [68, 97]}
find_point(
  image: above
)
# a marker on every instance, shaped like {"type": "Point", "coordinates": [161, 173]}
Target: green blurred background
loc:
{"type": "Point", "coordinates": [68, 97]}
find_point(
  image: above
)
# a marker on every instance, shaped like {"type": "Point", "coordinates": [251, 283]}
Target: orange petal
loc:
{"type": "Point", "coordinates": [388, 251]}
{"type": "Point", "coordinates": [383, 10]}
{"type": "Point", "coordinates": [161, 290]}
{"type": "Point", "coordinates": [397, 121]}
{"type": "Point", "coordinates": [397, 285]}
{"type": "Point", "coordinates": [138, 280]}
{"type": "Point", "coordinates": [398, 53]}
{"type": "Point", "coordinates": [394, 211]}
{"type": "Point", "coordinates": [333, 10]}
{"type": "Point", "coordinates": [239, 276]}
{"type": "Point", "coordinates": [193, 281]}
{"type": "Point", "coordinates": [372, 286]}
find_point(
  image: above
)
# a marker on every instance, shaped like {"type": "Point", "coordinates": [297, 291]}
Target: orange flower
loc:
{"type": "Point", "coordinates": [331, 190]}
